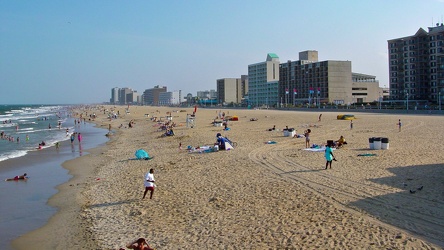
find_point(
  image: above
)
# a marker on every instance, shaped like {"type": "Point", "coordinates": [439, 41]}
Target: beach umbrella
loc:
{"type": "Point", "coordinates": [141, 154]}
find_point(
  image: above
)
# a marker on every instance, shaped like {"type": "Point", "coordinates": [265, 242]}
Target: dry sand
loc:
{"type": "Point", "coordinates": [257, 196]}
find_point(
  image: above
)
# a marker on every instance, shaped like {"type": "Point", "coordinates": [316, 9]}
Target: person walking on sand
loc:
{"type": "Point", "coordinates": [399, 125]}
{"type": "Point", "coordinates": [307, 138]}
{"type": "Point", "coordinates": [351, 124]}
{"type": "Point", "coordinates": [320, 116]}
{"type": "Point", "coordinates": [149, 183]}
{"type": "Point", "coordinates": [79, 137]}
{"type": "Point", "coordinates": [329, 155]}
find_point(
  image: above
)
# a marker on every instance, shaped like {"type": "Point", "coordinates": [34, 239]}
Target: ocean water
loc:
{"type": "Point", "coordinates": [23, 204]}
{"type": "Point", "coordinates": [26, 126]}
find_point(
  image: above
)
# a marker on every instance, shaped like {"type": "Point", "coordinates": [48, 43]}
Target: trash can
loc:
{"type": "Point", "coordinates": [384, 143]}
{"type": "Point", "coordinates": [377, 143]}
{"type": "Point", "coordinates": [289, 132]}
{"type": "Point", "coordinates": [371, 142]}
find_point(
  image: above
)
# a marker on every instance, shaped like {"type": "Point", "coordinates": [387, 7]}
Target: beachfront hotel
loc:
{"type": "Point", "coordinates": [309, 81]}
{"type": "Point", "coordinates": [231, 90]}
{"type": "Point", "coordinates": [151, 96]}
{"type": "Point", "coordinates": [416, 66]}
{"type": "Point", "coordinates": [263, 81]}
{"type": "Point", "coordinates": [170, 98]}
{"type": "Point", "coordinates": [114, 96]}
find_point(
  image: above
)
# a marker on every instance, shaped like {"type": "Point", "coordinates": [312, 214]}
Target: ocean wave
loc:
{"type": "Point", "coordinates": [12, 154]}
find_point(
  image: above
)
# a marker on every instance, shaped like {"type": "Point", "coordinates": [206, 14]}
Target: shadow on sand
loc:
{"type": "Point", "coordinates": [419, 208]}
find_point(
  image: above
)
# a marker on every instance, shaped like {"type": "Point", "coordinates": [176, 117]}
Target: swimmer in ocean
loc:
{"type": "Point", "coordinates": [18, 177]}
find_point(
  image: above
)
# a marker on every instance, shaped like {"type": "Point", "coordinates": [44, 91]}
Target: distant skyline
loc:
{"type": "Point", "coordinates": [75, 52]}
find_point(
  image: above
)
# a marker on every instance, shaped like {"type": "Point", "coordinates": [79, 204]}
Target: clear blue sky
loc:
{"type": "Point", "coordinates": [72, 52]}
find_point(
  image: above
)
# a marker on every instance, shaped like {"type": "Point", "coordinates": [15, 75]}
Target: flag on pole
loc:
{"type": "Point", "coordinates": [286, 91]}
{"type": "Point", "coordinates": [295, 91]}
{"type": "Point", "coordinates": [319, 91]}
{"type": "Point", "coordinates": [311, 91]}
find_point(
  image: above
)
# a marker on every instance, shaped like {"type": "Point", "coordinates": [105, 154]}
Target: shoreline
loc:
{"type": "Point", "coordinates": [27, 208]}
{"type": "Point", "coordinates": [124, 208]}
{"type": "Point", "coordinates": [68, 216]}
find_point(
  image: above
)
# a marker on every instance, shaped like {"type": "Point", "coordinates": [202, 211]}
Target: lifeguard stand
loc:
{"type": "Point", "coordinates": [191, 121]}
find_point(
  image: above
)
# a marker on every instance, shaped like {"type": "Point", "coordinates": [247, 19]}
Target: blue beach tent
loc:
{"type": "Point", "coordinates": [141, 154]}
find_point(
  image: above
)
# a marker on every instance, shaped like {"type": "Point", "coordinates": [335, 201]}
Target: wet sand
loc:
{"type": "Point", "coordinates": [24, 203]}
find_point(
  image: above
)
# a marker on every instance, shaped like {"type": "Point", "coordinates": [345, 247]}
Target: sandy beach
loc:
{"type": "Point", "coordinates": [258, 195]}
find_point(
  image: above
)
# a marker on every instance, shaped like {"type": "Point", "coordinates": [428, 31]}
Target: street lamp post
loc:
{"type": "Point", "coordinates": [439, 99]}
{"type": "Point", "coordinates": [380, 99]}
{"type": "Point", "coordinates": [407, 100]}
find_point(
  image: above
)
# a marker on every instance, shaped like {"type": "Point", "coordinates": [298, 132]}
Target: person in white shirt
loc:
{"type": "Point", "coordinates": [149, 183]}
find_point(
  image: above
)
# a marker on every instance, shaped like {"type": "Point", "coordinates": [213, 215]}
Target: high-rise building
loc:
{"type": "Point", "coordinates": [416, 65]}
{"type": "Point", "coordinates": [123, 94]}
{"type": "Point", "coordinates": [229, 90]}
{"type": "Point", "coordinates": [263, 79]}
{"type": "Point", "coordinates": [132, 97]}
{"type": "Point", "coordinates": [114, 96]}
{"type": "Point", "coordinates": [151, 96]}
{"type": "Point", "coordinates": [310, 81]}
{"type": "Point", "coordinates": [244, 85]}
{"type": "Point", "coordinates": [170, 98]}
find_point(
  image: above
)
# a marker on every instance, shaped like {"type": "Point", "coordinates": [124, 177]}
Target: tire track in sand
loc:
{"type": "Point", "coordinates": [359, 197]}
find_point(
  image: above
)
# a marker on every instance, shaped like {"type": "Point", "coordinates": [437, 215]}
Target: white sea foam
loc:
{"type": "Point", "coordinates": [12, 154]}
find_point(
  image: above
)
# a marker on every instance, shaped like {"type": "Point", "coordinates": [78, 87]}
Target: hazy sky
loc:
{"type": "Point", "coordinates": [72, 52]}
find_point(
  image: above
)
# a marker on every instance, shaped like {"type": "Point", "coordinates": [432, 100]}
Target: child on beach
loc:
{"type": "Point", "coordinates": [307, 138]}
{"type": "Point", "coordinates": [399, 125]}
{"type": "Point", "coordinates": [329, 155]}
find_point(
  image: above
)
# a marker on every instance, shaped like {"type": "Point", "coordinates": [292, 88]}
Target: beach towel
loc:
{"type": "Point", "coordinates": [318, 149]}
{"type": "Point", "coordinates": [201, 149]}
{"type": "Point", "coordinates": [367, 154]}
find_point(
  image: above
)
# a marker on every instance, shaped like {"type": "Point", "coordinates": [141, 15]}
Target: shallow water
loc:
{"type": "Point", "coordinates": [23, 206]}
